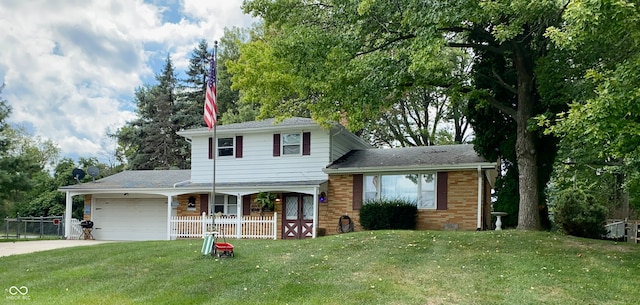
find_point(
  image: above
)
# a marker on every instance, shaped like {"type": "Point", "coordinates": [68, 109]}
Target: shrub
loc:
{"type": "Point", "coordinates": [579, 214]}
{"type": "Point", "coordinates": [388, 214]}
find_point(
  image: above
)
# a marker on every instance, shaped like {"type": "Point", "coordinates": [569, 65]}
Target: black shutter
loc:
{"type": "Point", "coordinates": [442, 191]}
{"type": "Point", "coordinates": [210, 148]}
{"type": "Point", "coordinates": [204, 203]}
{"type": "Point", "coordinates": [276, 145]}
{"type": "Point", "coordinates": [246, 205]}
{"type": "Point", "coordinates": [306, 143]}
{"type": "Point", "coordinates": [357, 191]}
{"type": "Point", "coordinates": [238, 146]}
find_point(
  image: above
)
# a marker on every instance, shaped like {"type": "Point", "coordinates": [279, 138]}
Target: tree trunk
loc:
{"type": "Point", "coordinates": [526, 155]}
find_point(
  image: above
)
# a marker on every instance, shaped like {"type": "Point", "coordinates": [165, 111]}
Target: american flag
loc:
{"type": "Point", "coordinates": [210, 102]}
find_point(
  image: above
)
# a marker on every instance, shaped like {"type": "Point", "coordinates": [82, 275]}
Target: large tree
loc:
{"type": "Point", "coordinates": [352, 56]}
{"type": "Point", "coordinates": [601, 131]}
{"type": "Point", "coordinates": [21, 159]}
{"type": "Point", "coordinates": [150, 141]}
{"type": "Point", "coordinates": [192, 93]}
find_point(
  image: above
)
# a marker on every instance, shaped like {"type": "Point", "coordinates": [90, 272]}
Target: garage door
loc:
{"type": "Point", "coordinates": [130, 219]}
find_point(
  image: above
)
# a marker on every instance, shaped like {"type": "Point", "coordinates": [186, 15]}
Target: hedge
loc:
{"type": "Point", "coordinates": [388, 214]}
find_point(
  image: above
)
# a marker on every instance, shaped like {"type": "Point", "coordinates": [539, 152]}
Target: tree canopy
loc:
{"type": "Point", "coordinates": [359, 58]}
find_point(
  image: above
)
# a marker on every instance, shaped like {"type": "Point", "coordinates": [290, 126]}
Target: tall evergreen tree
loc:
{"type": "Point", "coordinates": [190, 102]}
{"type": "Point", "coordinates": [151, 141]}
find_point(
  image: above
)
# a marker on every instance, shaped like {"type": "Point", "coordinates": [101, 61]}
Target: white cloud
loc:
{"type": "Point", "coordinates": [71, 67]}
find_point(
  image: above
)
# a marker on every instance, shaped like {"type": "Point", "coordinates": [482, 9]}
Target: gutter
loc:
{"type": "Point", "coordinates": [409, 168]}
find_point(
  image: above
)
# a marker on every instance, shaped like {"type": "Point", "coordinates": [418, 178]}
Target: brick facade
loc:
{"type": "Point", "coordinates": [339, 203]}
{"type": "Point", "coordinates": [87, 207]}
{"type": "Point", "coordinates": [461, 212]}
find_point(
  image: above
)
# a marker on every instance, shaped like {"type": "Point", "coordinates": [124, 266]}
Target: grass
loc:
{"type": "Point", "coordinates": [382, 267]}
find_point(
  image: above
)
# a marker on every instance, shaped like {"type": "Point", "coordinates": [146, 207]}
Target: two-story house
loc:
{"type": "Point", "coordinates": [317, 175]}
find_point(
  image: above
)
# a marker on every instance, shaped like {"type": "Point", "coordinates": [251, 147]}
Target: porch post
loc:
{"type": "Point", "coordinates": [239, 218]}
{"type": "Point", "coordinates": [315, 212]}
{"type": "Point", "coordinates": [275, 225]}
{"type": "Point", "coordinates": [168, 217]}
{"type": "Point", "coordinates": [480, 188]}
{"type": "Point", "coordinates": [67, 214]}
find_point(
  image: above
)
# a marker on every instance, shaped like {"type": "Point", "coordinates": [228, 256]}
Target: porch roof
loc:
{"type": "Point", "coordinates": [143, 179]}
{"type": "Point", "coordinates": [440, 157]}
{"type": "Point", "coordinates": [174, 180]}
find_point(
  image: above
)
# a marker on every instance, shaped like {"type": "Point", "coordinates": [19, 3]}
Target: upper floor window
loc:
{"type": "Point", "coordinates": [418, 188]}
{"type": "Point", "coordinates": [225, 147]}
{"type": "Point", "coordinates": [291, 144]}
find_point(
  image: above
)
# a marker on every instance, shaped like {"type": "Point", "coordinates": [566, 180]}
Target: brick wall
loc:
{"type": "Point", "coordinates": [339, 202]}
{"type": "Point", "coordinates": [462, 205]}
{"type": "Point", "coordinates": [87, 203]}
{"type": "Point", "coordinates": [183, 206]}
{"type": "Point", "coordinates": [461, 212]}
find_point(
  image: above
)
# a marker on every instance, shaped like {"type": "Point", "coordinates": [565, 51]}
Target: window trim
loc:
{"type": "Point", "coordinates": [233, 147]}
{"type": "Point", "coordinates": [299, 145]}
{"type": "Point", "coordinates": [225, 204]}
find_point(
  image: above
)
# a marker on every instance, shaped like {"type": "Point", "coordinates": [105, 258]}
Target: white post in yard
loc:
{"type": "Point", "coordinates": [480, 189]}
{"type": "Point", "coordinates": [67, 215]}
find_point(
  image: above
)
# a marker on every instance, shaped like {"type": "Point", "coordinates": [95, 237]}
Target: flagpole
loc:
{"type": "Point", "coordinates": [214, 143]}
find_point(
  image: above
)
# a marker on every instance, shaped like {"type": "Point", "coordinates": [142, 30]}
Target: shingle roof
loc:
{"type": "Point", "coordinates": [432, 156]}
{"type": "Point", "coordinates": [293, 121]}
{"type": "Point", "coordinates": [168, 179]}
{"type": "Point", "coordinates": [142, 179]}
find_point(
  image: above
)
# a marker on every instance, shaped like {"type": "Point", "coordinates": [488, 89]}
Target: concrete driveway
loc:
{"type": "Point", "coordinates": [22, 247]}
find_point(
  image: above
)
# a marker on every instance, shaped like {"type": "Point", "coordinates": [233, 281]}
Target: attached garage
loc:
{"type": "Point", "coordinates": [130, 219]}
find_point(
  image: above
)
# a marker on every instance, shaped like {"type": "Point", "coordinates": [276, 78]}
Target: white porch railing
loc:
{"type": "Point", "coordinates": [228, 226]}
{"type": "Point", "coordinates": [76, 229]}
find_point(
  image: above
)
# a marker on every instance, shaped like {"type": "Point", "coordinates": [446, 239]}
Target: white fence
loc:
{"type": "Point", "coordinates": [616, 230]}
{"type": "Point", "coordinates": [227, 226]}
{"type": "Point", "coordinates": [76, 229]}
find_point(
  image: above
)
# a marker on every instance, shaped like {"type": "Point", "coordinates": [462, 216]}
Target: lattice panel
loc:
{"type": "Point", "coordinates": [292, 208]}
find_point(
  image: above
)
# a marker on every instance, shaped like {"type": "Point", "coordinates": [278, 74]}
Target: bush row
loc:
{"type": "Point", "coordinates": [388, 214]}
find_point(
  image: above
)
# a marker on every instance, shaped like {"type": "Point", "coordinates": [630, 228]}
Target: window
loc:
{"type": "Point", "coordinates": [418, 188]}
{"type": "Point", "coordinates": [226, 204]}
{"type": "Point", "coordinates": [291, 144]}
{"type": "Point", "coordinates": [225, 147]}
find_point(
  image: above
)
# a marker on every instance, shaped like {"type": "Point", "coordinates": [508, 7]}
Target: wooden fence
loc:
{"type": "Point", "coordinates": [255, 227]}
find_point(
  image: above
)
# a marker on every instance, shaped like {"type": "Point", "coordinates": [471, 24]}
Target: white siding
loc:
{"type": "Point", "coordinates": [258, 163]}
{"type": "Point", "coordinates": [342, 143]}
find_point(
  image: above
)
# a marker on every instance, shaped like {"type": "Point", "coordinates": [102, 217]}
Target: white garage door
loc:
{"type": "Point", "coordinates": [130, 219]}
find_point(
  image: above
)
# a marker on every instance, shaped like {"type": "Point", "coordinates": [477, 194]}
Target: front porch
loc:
{"type": "Point", "coordinates": [249, 227]}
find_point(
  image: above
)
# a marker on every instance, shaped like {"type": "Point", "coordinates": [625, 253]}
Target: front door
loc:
{"type": "Point", "coordinates": [298, 220]}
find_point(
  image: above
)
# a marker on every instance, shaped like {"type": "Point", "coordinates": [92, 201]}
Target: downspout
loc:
{"type": "Point", "coordinates": [315, 212]}
{"type": "Point", "coordinates": [480, 182]}
{"type": "Point", "coordinates": [67, 215]}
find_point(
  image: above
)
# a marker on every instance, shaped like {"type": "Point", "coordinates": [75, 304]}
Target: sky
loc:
{"type": "Point", "coordinates": [70, 67]}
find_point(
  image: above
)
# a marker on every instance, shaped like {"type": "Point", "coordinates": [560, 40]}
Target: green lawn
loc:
{"type": "Point", "coordinates": [383, 267]}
